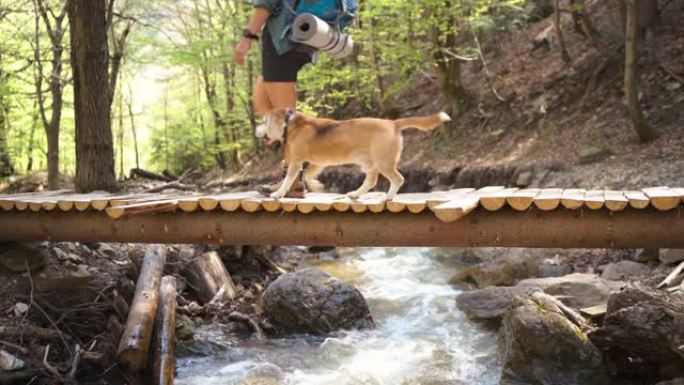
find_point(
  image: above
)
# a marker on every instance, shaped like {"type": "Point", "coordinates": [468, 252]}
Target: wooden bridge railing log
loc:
{"type": "Point", "coordinates": [562, 228]}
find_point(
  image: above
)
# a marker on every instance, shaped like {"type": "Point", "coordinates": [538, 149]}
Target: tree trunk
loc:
{"type": "Point", "coordinates": [228, 72]}
{"type": "Point", "coordinates": [92, 107]}
{"type": "Point", "coordinates": [55, 30]}
{"type": "Point", "coordinates": [121, 136]}
{"type": "Point", "coordinates": [647, 15]}
{"type": "Point", "coordinates": [133, 131]}
{"type": "Point", "coordinates": [199, 113]}
{"type": "Point", "coordinates": [118, 47]}
{"type": "Point", "coordinates": [376, 65]}
{"type": "Point", "coordinates": [31, 144]}
{"type": "Point", "coordinates": [166, 129]}
{"type": "Point", "coordinates": [53, 157]}
{"type": "Point", "coordinates": [448, 67]}
{"type": "Point", "coordinates": [645, 132]}
{"type": "Point", "coordinates": [231, 134]}
{"type": "Point", "coordinates": [559, 32]}
{"type": "Point", "coordinates": [647, 11]}
{"type": "Point", "coordinates": [582, 21]}
{"type": "Point", "coordinates": [219, 123]}
{"type": "Point", "coordinates": [6, 167]}
{"type": "Point", "coordinates": [256, 143]}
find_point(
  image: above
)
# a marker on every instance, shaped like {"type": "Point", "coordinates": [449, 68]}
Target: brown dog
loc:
{"type": "Point", "coordinates": [373, 144]}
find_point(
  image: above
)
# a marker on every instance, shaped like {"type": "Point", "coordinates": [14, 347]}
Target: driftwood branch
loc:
{"type": "Point", "coordinates": [672, 276]}
{"type": "Point", "coordinates": [170, 185]}
{"type": "Point", "coordinates": [135, 343]}
{"type": "Point", "coordinates": [670, 72]}
{"type": "Point", "coordinates": [29, 331]}
{"type": "Point", "coordinates": [237, 316]}
{"type": "Point", "coordinates": [150, 175]}
{"type": "Point", "coordinates": [266, 260]}
{"type": "Point", "coordinates": [488, 75]}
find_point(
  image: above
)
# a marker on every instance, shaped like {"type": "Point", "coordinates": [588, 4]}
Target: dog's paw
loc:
{"type": "Point", "coordinates": [278, 194]}
{"type": "Point", "coordinates": [353, 195]}
{"type": "Point", "coordinates": [315, 186]}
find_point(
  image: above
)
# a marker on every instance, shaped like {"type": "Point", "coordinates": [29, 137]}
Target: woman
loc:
{"type": "Point", "coordinates": [280, 63]}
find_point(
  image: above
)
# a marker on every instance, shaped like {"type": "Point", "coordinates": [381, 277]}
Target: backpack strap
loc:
{"type": "Point", "coordinates": [288, 6]}
{"type": "Point", "coordinates": [343, 6]}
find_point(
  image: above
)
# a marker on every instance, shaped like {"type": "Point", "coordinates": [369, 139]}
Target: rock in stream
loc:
{"type": "Point", "coordinates": [311, 301]}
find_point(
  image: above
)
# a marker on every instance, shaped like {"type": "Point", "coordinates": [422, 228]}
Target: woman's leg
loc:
{"type": "Point", "coordinates": [278, 95]}
{"type": "Point", "coordinates": [260, 100]}
{"type": "Point", "coordinates": [282, 94]}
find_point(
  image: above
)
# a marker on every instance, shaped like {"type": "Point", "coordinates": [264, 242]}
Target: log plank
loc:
{"type": "Point", "coordinates": [165, 333]}
{"type": "Point", "coordinates": [133, 349]}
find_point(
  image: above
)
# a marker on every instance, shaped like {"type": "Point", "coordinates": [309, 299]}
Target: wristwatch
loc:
{"type": "Point", "coordinates": [249, 35]}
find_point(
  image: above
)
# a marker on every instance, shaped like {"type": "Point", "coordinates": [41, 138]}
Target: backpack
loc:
{"type": "Point", "coordinates": [336, 12]}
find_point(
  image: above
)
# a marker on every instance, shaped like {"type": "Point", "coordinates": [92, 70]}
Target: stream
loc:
{"type": "Point", "coordinates": [421, 337]}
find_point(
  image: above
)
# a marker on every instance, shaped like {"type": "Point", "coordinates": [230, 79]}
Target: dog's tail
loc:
{"type": "Point", "coordinates": [424, 123]}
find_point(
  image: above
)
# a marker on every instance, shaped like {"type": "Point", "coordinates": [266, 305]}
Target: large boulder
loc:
{"type": "Point", "coordinates": [539, 345]}
{"type": "Point", "coordinates": [504, 270]}
{"type": "Point", "coordinates": [490, 303]}
{"type": "Point", "coordinates": [670, 256]}
{"type": "Point", "coordinates": [643, 332]}
{"type": "Point", "coordinates": [646, 255]}
{"type": "Point", "coordinates": [625, 271]}
{"type": "Point", "coordinates": [552, 268]}
{"type": "Point", "coordinates": [577, 290]}
{"type": "Point", "coordinates": [311, 301]}
{"type": "Point", "coordinates": [16, 256]}
{"type": "Point", "coordinates": [674, 381]}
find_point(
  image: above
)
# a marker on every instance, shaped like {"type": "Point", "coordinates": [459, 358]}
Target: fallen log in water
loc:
{"type": "Point", "coordinates": [165, 333]}
{"type": "Point", "coordinates": [135, 343]}
{"type": "Point", "coordinates": [208, 275]}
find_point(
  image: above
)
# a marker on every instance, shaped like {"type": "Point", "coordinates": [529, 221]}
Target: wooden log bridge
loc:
{"type": "Point", "coordinates": [490, 216]}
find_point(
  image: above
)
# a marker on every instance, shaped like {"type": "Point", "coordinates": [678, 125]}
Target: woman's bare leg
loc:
{"type": "Point", "coordinates": [260, 100]}
{"type": "Point", "coordinates": [282, 94]}
{"type": "Point", "coordinates": [274, 95]}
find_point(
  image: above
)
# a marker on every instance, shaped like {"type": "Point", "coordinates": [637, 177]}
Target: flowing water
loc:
{"type": "Point", "coordinates": [421, 337]}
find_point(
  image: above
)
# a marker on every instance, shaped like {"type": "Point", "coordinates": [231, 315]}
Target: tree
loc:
{"type": "Point", "coordinates": [443, 34]}
{"type": "Point", "coordinates": [119, 30]}
{"type": "Point", "coordinates": [582, 21]}
{"type": "Point", "coordinates": [6, 167]}
{"type": "Point", "coordinates": [645, 132]}
{"type": "Point", "coordinates": [54, 24]}
{"type": "Point", "coordinates": [559, 33]}
{"type": "Point", "coordinates": [92, 98]}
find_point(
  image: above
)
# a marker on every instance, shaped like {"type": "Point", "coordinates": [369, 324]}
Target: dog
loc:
{"type": "Point", "coordinates": [373, 144]}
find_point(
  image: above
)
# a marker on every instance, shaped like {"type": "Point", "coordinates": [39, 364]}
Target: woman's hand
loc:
{"type": "Point", "coordinates": [241, 50]}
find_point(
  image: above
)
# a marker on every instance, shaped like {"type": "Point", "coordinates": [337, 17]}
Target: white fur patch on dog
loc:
{"type": "Point", "coordinates": [261, 131]}
{"type": "Point", "coordinates": [444, 117]}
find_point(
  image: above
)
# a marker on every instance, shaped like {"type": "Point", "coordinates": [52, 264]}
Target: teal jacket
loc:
{"type": "Point", "coordinates": [276, 25]}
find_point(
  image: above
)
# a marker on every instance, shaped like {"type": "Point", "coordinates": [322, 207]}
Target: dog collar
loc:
{"type": "Point", "coordinates": [288, 115]}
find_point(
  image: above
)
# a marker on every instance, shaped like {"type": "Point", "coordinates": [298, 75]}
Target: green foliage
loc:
{"type": "Point", "coordinates": [190, 104]}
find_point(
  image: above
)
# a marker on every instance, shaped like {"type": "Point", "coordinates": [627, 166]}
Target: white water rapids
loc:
{"type": "Point", "coordinates": [421, 337]}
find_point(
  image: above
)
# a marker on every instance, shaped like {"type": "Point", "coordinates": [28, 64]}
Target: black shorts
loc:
{"type": "Point", "coordinates": [280, 68]}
